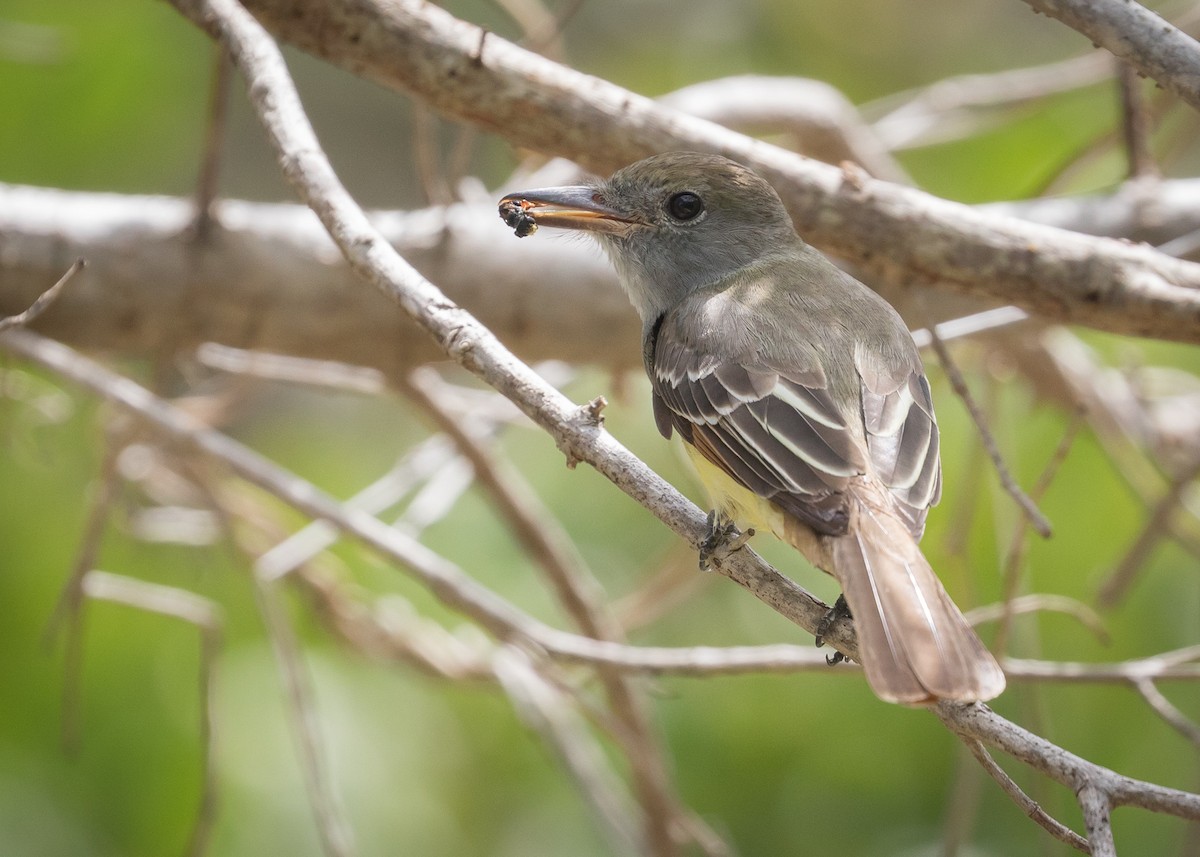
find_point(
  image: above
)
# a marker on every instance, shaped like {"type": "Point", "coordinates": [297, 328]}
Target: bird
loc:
{"type": "Point", "coordinates": [799, 395]}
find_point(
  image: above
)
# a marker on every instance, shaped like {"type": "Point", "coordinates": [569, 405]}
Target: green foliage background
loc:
{"type": "Point", "coordinates": [112, 96]}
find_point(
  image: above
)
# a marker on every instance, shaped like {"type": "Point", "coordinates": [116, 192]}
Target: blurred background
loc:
{"type": "Point", "coordinates": [113, 96]}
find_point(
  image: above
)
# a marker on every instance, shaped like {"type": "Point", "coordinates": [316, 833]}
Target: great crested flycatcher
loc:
{"type": "Point", "coordinates": [798, 392]}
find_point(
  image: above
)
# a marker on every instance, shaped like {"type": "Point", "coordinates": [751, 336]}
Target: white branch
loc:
{"type": "Point", "coordinates": [898, 233]}
{"type": "Point", "coordinates": [1157, 48]}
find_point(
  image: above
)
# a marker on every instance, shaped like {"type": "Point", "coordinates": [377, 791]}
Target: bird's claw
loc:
{"type": "Point", "coordinates": [722, 539]}
{"type": "Point", "coordinates": [840, 610]}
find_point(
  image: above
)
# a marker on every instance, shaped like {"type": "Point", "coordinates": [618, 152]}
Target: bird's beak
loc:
{"type": "Point", "coordinates": [578, 207]}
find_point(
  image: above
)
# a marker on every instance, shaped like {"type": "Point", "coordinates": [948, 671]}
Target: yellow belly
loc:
{"type": "Point", "coordinates": [747, 509]}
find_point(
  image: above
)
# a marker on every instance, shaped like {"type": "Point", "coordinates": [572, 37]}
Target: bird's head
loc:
{"type": "Point", "coordinates": [672, 224]}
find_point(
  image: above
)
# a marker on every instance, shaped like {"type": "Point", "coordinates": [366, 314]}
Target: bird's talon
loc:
{"type": "Point", "coordinates": [722, 539]}
{"type": "Point", "coordinates": [840, 610]}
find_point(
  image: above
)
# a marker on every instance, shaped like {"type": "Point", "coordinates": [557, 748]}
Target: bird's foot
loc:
{"type": "Point", "coordinates": [722, 539]}
{"type": "Point", "coordinates": [839, 610]}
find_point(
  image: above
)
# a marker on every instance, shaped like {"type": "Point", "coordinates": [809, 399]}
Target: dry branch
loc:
{"type": "Point", "coordinates": [899, 234]}
{"type": "Point", "coordinates": [269, 278]}
{"type": "Point", "coordinates": [206, 617]}
{"type": "Point", "coordinates": [1157, 48]}
{"type": "Point", "coordinates": [576, 431]}
{"type": "Point", "coordinates": [43, 301]}
{"type": "Point", "coordinates": [971, 722]}
{"type": "Point", "coordinates": [1134, 280]}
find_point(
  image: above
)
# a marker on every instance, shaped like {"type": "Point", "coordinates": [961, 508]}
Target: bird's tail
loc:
{"type": "Point", "coordinates": [916, 646]}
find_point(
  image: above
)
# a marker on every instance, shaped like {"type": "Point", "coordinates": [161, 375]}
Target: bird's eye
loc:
{"type": "Point", "coordinates": [685, 205]}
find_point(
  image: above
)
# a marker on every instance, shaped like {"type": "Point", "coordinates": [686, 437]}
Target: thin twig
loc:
{"type": "Point", "coordinates": [207, 180]}
{"type": "Point", "coordinates": [43, 300]}
{"type": "Point", "coordinates": [1017, 546]}
{"type": "Point", "coordinates": [1158, 525]}
{"type": "Point", "coordinates": [1038, 603]}
{"type": "Point", "coordinates": [99, 509]}
{"type": "Point", "coordinates": [329, 374]}
{"type": "Point", "coordinates": [552, 34]}
{"type": "Point", "coordinates": [544, 708]}
{"type": "Point", "coordinates": [964, 793]}
{"type": "Point", "coordinates": [426, 158]}
{"type": "Point", "coordinates": [941, 112]}
{"type": "Point", "coordinates": [68, 609]}
{"type": "Point", "coordinates": [1136, 126]}
{"type": "Point", "coordinates": [971, 325]}
{"type": "Point", "coordinates": [1167, 710]}
{"type": "Point", "coordinates": [336, 835]}
{"type": "Point", "coordinates": [419, 464]}
{"type": "Point", "coordinates": [1029, 806]}
{"type": "Point", "coordinates": [1028, 507]}
{"type": "Point", "coordinates": [578, 591]}
{"type": "Point", "coordinates": [204, 615]}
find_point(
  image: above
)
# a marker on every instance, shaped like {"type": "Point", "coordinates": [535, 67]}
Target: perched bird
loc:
{"type": "Point", "coordinates": [798, 392]}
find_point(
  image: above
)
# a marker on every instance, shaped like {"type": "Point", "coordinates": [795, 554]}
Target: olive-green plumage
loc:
{"type": "Point", "coordinates": [798, 393]}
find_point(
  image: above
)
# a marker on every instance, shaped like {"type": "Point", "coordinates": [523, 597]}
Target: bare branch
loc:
{"type": "Point", "coordinates": [337, 838]}
{"type": "Point", "coordinates": [546, 711]}
{"type": "Point", "coordinates": [43, 300]}
{"type": "Point", "coordinates": [214, 145]}
{"type": "Point", "coordinates": [1096, 817]}
{"type": "Point", "coordinates": [942, 111]}
{"type": "Point", "coordinates": [1029, 806]}
{"type": "Point", "coordinates": [1167, 710]}
{"type": "Point", "coordinates": [900, 234]}
{"type": "Point", "coordinates": [205, 615]}
{"type": "Point", "coordinates": [1135, 34]}
{"type": "Point", "coordinates": [1170, 665]}
{"type": "Point", "coordinates": [276, 283]}
{"type": "Point", "coordinates": [977, 721]}
{"type": "Point", "coordinates": [1157, 526]}
{"type": "Point", "coordinates": [580, 594]}
{"type": "Point", "coordinates": [1023, 501]}
{"type": "Point", "coordinates": [574, 429]}
{"type": "Point", "coordinates": [329, 374]}
{"type": "Point", "coordinates": [1038, 603]}
{"type": "Point", "coordinates": [1136, 126]}
{"type": "Point", "coordinates": [823, 122]}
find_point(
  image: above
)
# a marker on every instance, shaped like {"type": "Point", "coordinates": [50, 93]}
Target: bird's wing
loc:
{"type": "Point", "coordinates": [776, 429]}
{"type": "Point", "coordinates": [902, 434]}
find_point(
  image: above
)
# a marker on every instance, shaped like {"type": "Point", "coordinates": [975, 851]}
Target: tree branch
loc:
{"type": "Point", "coordinates": [269, 277]}
{"type": "Point", "coordinates": [1133, 33]}
{"type": "Point", "coordinates": [897, 233]}
{"type": "Point", "coordinates": [576, 430]}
